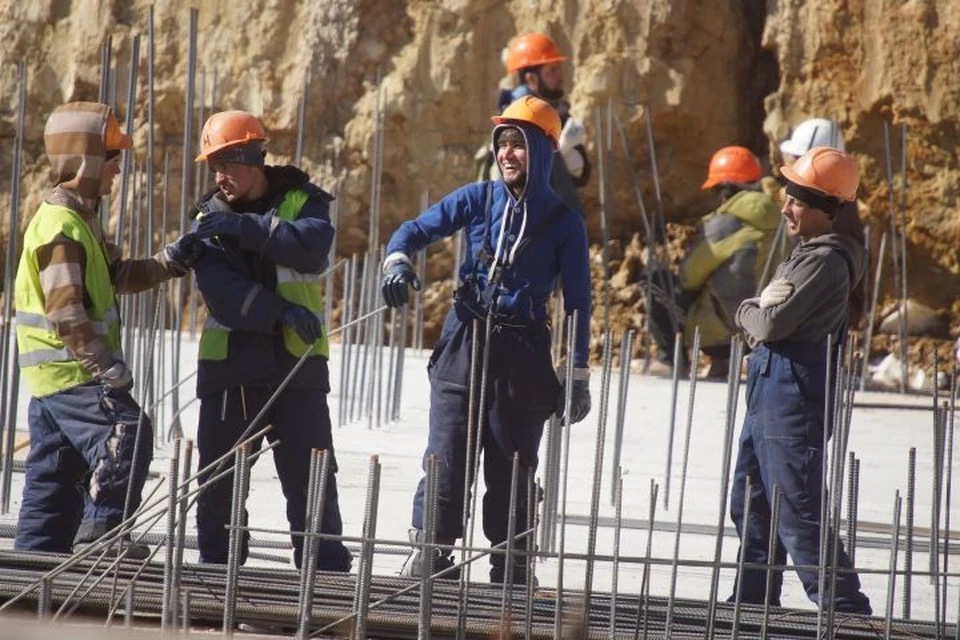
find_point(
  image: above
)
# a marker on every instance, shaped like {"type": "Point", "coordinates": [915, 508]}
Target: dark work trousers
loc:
{"type": "Point", "coordinates": [782, 445]}
{"type": "Point", "coordinates": [80, 465]}
{"type": "Point", "coordinates": [301, 422]}
{"type": "Point", "coordinates": [522, 391]}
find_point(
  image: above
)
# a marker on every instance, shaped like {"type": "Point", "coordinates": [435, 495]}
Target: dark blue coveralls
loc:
{"type": "Point", "coordinates": [782, 440]}
{"type": "Point", "coordinates": [81, 452]}
{"type": "Point", "coordinates": [237, 277]}
{"type": "Point", "coordinates": [522, 387]}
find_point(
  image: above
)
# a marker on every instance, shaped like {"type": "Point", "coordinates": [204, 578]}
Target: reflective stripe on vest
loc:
{"type": "Point", "coordinates": [46, 364]}
{"type": "Point", "coordinates": [304, 289]}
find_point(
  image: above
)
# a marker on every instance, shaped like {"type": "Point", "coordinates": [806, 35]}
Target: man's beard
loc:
{"type": "Point", "coordinates": [550, 94]}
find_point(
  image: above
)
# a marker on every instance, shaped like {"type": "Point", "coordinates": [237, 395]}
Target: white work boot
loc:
{"type": "Point", "coordinates": [414, 565]}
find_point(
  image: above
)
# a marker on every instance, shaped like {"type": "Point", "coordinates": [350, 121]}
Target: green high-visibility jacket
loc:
{"type": "Point", "coordinates": [726, 265]}
{"type": "Point", "coordinates": [46, 365]}
{"type": "Point", "coordinates": [305, 289]}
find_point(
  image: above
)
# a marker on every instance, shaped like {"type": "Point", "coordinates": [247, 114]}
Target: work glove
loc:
{"type": "Point", "coordinates": [579, 402]}
{"type": "Point", "coordinates": [219, 223]}
{"type": "Point", "coordinates": [571, 136]}
{"type": "Point", "coordinates": [303, 321]}
{"type": "Point", "coordinates": [776, 293]}
{"type": "Point", "coordinates": [117, 377]}
{"type": "Point", "coordinates": [397, 274]}
{"type": "Point", "coordinates": [185, 251]}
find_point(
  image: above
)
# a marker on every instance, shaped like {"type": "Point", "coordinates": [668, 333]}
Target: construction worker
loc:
{"type": "Point", "coordinates": [536, 61]}
{"type": "Point", "coordinates": [782, 442]}
{"type": "Point", "coordinates": [268, 234]}
{"type": "Point", "coordinates": [724, 268]}
{"type": "Point", "coordinates": [820, 132]}
{"type": "Point", "coordinates": [521, 237]}
{"type": "Point", "coordinates": [85, 427]}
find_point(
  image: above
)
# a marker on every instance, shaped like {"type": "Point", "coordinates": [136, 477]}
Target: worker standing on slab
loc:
{"type": "Point", "coordinates": [268, 234]}
{"type": "Point", "coordinates": [723, 269]}
{"type": "Point", "coordinates": [521, 237]}
{"type": "Point", "coordinates": [537, 62]}
{"type": "Point", "coordinates": [84, 423]}
{"type": "Point", "coordinates": [788, 327]}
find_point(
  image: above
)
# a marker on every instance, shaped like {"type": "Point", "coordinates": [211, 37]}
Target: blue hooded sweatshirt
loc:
{"type": "Point", "coordinates": [557, 240]}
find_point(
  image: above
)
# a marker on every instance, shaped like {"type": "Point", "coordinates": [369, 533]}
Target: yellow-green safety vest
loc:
{"type": "Point", "coordinates": [46, 364]}
{"type": "Point", "coordinates": [305, 289]}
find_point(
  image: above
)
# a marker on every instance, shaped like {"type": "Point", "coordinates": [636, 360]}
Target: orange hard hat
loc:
{"type": "Point", "coordinates": [536, 112]}
{"type": "Point", "coordinates": [229, 129]}
{"type": "Point", "coordinates": [532, 50]}
{"type": "Point", "coordinates": [827, 170]}
{"type": "Point", "coordinates": [732, 164]}
{"type": "Point", "coordinates": [114, 138]}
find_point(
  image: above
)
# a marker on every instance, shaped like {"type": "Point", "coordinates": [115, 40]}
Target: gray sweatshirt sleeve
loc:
{"type": "Point", "coordinates": [815, 280]}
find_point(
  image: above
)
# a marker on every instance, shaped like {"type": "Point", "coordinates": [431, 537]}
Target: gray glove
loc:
{"type": "Point", "coordinates": [117, 377]}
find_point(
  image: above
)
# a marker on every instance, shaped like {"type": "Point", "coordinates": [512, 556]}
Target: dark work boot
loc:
{"type": "Point", "coordinates": [498, 571]}
{"type": "Point", "coordinates": [414, 565]}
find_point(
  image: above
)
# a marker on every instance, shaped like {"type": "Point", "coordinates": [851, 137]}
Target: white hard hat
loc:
{"type": "Point", "coordinates": [816, 132]}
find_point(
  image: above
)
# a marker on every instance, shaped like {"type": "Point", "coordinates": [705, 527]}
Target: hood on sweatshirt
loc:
{"type": "Point", "coordinates": [75, 140]}
{"type": "Point", "coordinates": [853, 252]}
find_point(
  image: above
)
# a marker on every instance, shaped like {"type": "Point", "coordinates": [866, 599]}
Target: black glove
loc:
{"type": "Point", "coordinates": [117, 377]}
{"type": "Point", "coordinates": [579, 403]}
{"type": "Point", "coordinates": [185, 251]}
{"type": "Point", "coordinates": [396, 277]}
{"type": "Point", "coordinates": [303, 321]}
{"type": "Point", "coordinates": [219, 223]}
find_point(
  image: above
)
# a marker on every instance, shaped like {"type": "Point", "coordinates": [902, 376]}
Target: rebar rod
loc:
{"type": "Point", "coordinates": [674, 389]}
{"type": "Point", "coordinates": [892, 579]}
{"type": "Point", "coordinates": [908, 543]}
{"type": "Point", "coordinates": [626, 349]}
{"type": "Point", "coordinates": [364, 573]}
{"type": "Point", "coordinates": [168, 615]}
{"type": "Point", "coordinates": [9, 369]}
{"type": "Point", "coordinates": [694, 365]}
{"type": "Point", "coordinates": [868, 340]}
{"type": "Point", "coordinates": [606, 372]}
{"type": "Point", "coordinates": [126, 155]}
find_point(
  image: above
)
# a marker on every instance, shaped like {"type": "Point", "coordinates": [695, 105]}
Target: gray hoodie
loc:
{"type": "Point", "coordinates": [822, 270]}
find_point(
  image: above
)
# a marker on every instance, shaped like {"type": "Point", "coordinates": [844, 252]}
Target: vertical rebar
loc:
{"type": "Point", "coordinates": [892, 577]}
{"type": "Point", "coordinates": [169, 604]}
{"type": "Point", "coordinates": [644, 598]}
{"type": "Point", "coordinates": [868, 340]}
{"type": "Point", "coordinates": [428, 549]}
{"type": "Point", "coordinates": [368, 548]}
{"type": "Point", "coordinates": [677, 353]}
{"type": "Point", "coordinates": [506, 601]}
{"type": "Point", "coordinates": [127, 155]}
{"type": "Point", "coordinates": [606, 371]}
{"type": "Point", "coordinates": [741, 561]}
{"type": "Point", "coordinates": [311, 543]}
{"type": "Point", "coordinates": [237, 520]}
{"type": "Point", "coordinates": [181, 284]}
{"type": "Point", "coordinates": [470, 472]}
{"type": "Point", "coordinates": [567, 405]}
{"type": "Point", "coordinates": [694, 365]}
{"type": "Point", "coordinates": [9, 370]}
{"type": "Point", "coordinates": [617, 527]}
{"type": "Point", "coordinates": [733, 398]}
{"type": "Point", "coordinates": [908, 542]}
{"type": "Point", "coordinates": [626, 349]}
{"type": "Point", "coordinates": [771, 558]}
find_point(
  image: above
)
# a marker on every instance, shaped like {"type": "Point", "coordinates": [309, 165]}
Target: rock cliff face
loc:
{"type": "Point", "coordinates": [706, 73]}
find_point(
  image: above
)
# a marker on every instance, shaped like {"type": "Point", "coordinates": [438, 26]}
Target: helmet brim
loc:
{"type": "Point", "coordinates": [792, 147]}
